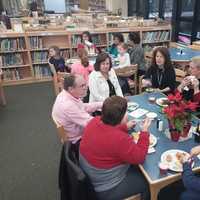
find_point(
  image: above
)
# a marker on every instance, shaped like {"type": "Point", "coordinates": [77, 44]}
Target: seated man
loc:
{"type": "Point", "coordinates": [109, 156]}
{"type": "Point", "coordinates": [190, 86]}
{"type": "Point", "coordinates": [70, 111]}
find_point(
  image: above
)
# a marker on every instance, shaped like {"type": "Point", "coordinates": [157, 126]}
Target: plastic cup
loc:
{"type": "Point", "coordinates": [152, 99]}
{"type": "Point", "coordinates": [163, 168]}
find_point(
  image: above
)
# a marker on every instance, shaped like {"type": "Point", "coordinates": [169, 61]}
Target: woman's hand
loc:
{"type": "Point", "coordinates": [146, 83]}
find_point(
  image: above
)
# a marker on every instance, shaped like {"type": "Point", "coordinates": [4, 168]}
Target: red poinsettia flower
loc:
{"type": "Point", "coordinates": [192, 106]}
{"type": "Point", "coordinates": [175, 98]}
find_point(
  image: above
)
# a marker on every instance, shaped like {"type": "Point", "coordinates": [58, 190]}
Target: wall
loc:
{"type": "Point", "coordinates": [114, 5]}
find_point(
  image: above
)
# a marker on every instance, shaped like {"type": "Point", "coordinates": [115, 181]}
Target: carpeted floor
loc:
{"type": "Point", "coordinates": [29, 147]}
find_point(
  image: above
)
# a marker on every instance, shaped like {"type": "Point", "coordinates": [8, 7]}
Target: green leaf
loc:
{"type": "Point", "coordinates": [179, 123]}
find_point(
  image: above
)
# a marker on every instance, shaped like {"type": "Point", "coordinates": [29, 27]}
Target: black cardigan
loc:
{"type": "Point", "coordinates": [168, 77]}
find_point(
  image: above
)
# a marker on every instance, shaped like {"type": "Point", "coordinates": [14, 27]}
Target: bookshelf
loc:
{"type": "Point", "coordinates": [23, 56]}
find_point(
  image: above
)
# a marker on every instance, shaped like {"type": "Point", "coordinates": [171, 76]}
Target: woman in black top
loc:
{"type": "Point", "coordinates": [161, 74]}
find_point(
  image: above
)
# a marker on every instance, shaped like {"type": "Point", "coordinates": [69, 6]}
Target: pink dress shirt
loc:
{"type": "Point", "coordinates": [78, 68]}
{"type": "Point", "coordinates": [73, 114]}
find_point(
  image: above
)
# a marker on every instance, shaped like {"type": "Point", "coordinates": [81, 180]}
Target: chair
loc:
{"type": "Point", "coordinates": [2, 95]}
{"type": "Point", "coordinates": [180, 74]}
{"type": "Point", "coordinates": [134, 197]}
{"type": "Point", "coordinates": [63, 135]}
{"type": "Point", "coordinates": [129, 72]}
{"type": "Point", "coordinates": [58, 81]}
{"type": "Point", "coordinates": [140, 83]}
{"type": "Point", "coordinates": [73, 182]}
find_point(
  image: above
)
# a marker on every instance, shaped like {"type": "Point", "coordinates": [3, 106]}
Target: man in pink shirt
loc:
{"type": "Point", "coordinates": [69, 110]}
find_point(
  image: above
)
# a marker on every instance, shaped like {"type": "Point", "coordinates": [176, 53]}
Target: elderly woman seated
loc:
{"type": "Point", "coordinates": [110, 156]}
{"type": "Point", "coordinates": [190, 86]}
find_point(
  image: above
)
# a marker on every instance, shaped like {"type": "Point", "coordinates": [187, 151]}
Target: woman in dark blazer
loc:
{"type": "Point", "coordinates": [161, 74]}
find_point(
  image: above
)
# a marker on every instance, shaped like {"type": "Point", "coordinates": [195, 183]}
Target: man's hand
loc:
{"type": "Point", "coordinates": [146, 124]}
{"type": "Point", "coordinates": [130, 124]}
{"type": "Point", "coordinates": [195, 151]}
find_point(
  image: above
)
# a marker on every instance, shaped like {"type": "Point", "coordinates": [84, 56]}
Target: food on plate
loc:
{"type": "Point", "coordinates": [180, 155]}
{"type": "Point", "coordinates": [169, 158]}
{"type": "Point", "coordinates": [164, 101]}
{"type": "Point", "coordinates": [149, 90]}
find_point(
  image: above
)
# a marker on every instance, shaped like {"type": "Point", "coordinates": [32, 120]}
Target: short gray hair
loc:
{"type": "Point", "coordinates": [196, 61]}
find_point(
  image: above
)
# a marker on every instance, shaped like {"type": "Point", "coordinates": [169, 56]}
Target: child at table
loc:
{"type": "Point", "coordinates": [190, 180]}
{"type": "Point", "coordinates": [123, 56]}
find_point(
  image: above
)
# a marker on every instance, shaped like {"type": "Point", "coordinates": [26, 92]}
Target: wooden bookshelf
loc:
{"type": "Point", "coordinates": [30, 49]}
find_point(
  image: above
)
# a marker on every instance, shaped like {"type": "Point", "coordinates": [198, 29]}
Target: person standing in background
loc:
{"type": "Point", "coordinates": [136, 52]}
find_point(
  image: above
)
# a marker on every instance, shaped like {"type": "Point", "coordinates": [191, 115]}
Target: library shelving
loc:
{"type": "Point", "coordinates": [24, 56]}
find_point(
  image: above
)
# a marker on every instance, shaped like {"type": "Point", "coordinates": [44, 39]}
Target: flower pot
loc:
{"type": "Point", "coordinates": [175, 135]}
{"type": "Point", "coordinates": [186, 130]}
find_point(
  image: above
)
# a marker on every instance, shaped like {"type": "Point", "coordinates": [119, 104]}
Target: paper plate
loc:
{"type": "Point", "coordinates": [172, 159]}
{"type": "Point", "coordinates": [151, 115]}
{"type": "Point", "coordinates": [159, 102]}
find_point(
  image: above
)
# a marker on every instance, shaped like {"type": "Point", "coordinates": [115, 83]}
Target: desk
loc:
{"type": "Point", "coordinates": [150, 167]}
{"type": "Point", "coordinates": [182, 56]}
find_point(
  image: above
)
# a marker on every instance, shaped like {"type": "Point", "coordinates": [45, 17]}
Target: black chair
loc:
{"type": "Point", "coordinates": [73, 182]}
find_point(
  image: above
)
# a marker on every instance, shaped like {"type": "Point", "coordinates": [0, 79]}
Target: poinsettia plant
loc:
{"type": "Point", "coordinates": [179, 111]}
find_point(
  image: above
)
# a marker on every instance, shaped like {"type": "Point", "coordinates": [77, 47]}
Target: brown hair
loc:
{"type": "Point", "coordinates": [83, 55]}
{"type": "Point", "coordinates": [56, 49]}
{"type": "Point", "coordinates": [113, 110]}
{"type": "Point", "coordinates": [69, 81]}
{"type": "Point", "coordinates": [82, 52]}
{"type": "Point", "coordinates": [101, 58]}
{"type": "Point", "coordinates": [164, 51]}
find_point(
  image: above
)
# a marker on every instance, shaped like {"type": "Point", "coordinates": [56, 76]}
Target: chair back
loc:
{"type": "Point", "coordinates": [131, 73]}
{"type": "Point", "coordinates": [180, 74]}
{"type": "Point", "coordinates": [62, 134]}
{"type": "Point", "coordinates": [126, 71]}
{"type": "Point", "coordinates": [58, 81]}
{"type": "Point", "coordinates": [73, 182]}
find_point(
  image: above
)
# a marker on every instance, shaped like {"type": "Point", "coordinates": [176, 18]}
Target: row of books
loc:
{"type": "Point", "coordinates": [155, 36]}
{"type": "Point", "coordinates": [99, 39]}
{"type": "Point", "coordinates": [11, 59]}
{"type": "Point", "coordinates": [149, 47]}
{"type": "Point", "coordinates": [42, 56]}
{"type": "Point", "coordinates": [12, 44]}
{"type": "Point", "coordinates": [36, 42]}
{"type": "Point", "coordinates": [39, 56]}
{"type": "Point", "coordinates": [12, 74]}
{"type": "Point", "coordinates": [96, 39]}
{"type": "Point", "coordinates": [41, 71]}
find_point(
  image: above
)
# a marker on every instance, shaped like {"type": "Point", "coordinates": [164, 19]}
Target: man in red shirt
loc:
{"type": "Point", "coordinates": [107, 153]}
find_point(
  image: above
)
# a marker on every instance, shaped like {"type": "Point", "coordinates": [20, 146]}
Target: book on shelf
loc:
{"type": "Point", "coordinates": [75, 40]}
{"type": "Point", "coordinates": [42, 71]}
{"type": "Point", "coordinates": [12, 74]}
{"type": "Point", "coordinates": [36, 42]}
{"type": "Point", "coordinates": [39, 56]}
{"type": "Point", "coordinates": [11, 59]}
{"type": "Point", "coordinates": [12, 44]}
{"type": "Point", "coordinates": [155, 36]}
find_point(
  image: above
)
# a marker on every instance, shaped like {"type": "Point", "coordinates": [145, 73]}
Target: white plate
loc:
{"type": "Point", "coordinates": [159, 101]}
{"type": "Point", "coordinates": [132, 106]}
{"type": "Point", "coordinates": [153, 139]}
{"type": "Point", "coordinates": [151, 115]}
{"type": "Point", "coordinates": [170, 158]}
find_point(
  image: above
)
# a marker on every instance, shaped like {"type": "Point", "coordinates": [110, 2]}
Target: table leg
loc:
{"type": "Point", "coordinates": [154, 190]}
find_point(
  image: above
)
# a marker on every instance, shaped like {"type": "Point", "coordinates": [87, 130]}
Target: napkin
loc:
{"type": "Point", "coordinates": [138, 113]}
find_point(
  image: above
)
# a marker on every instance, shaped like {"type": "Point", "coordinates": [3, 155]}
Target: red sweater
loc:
{"type": "Point", "coordinates": [105, 146]}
